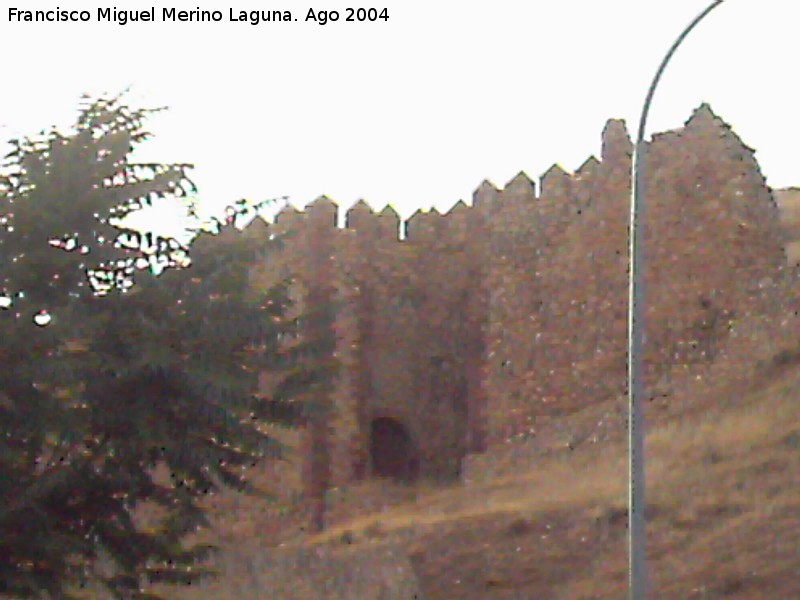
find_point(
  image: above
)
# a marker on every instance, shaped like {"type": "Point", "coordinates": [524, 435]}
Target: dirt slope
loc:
{"type": "Point", "coordinates": [723, 520]}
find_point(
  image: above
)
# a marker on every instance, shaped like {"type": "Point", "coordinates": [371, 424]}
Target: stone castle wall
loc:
{"type": "Point", "coordinates": [491, 317]}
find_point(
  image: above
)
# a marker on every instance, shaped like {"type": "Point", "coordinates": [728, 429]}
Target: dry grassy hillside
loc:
{"type": "Point", "coordinates": [545, 518]}
{"type": "Point", "coordinates": [723, 506]}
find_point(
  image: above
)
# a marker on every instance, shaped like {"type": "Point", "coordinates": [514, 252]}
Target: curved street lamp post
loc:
{"type": "Point", "coordinates": [637, 573]}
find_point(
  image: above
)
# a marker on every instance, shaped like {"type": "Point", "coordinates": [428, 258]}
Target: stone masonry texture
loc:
{"type": "Point", "coordinates": [490, 320]}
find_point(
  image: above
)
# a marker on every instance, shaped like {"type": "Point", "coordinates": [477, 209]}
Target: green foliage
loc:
{"type": "Point", "coordinates": [112, 387]}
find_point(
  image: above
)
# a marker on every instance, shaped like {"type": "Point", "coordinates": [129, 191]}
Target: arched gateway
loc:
{"type": "Point", "coordinates": [392, 451]}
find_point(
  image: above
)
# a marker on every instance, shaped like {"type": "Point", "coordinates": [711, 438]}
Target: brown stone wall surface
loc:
{"type": "Point", "coordinates": [490, 321]}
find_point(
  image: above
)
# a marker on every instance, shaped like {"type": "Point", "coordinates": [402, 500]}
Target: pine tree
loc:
{"type": "Point", "coordinates": [109, 375]}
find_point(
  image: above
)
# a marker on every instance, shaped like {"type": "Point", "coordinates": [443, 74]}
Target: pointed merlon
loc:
{"type": "Point", "coordinates": [458, 208]}
{"type": "Point", "coordinates": [356, 215]}
{"type": "Point", "coordinates": [554, 178]}
{"type": "Point", "coordinates": [389, 212]}
{"type": "Point", "coordinates": [323, 210]}
{"type": "Point", "coordinates": [288, 214]}
{"type": "Point", "coordinates": [519, 180]}
{"type": "Point", "coordinates": [362, 205]}
{"type": "Point", "coordinates": [322, 200]}
{"type": "Point", "coordinates": [555, 170]}
{"type": "Point", "coordinates": [257, 228]}
{"type": "Point", "coordinates": [411, 225]}
{"type": "Point", "coordinates": [589, 166]}
{"type": "Point", "coordinates": [321, 203]}
{"type": "Point", "coordinates": [389, 221]}
{"type": "Point", "coordinates": [485, 194]}
{"type": "Point", "coordinates": [458, 219]}
{"type": "Point", "coordinates": [555, 181]}
{"type": "Point", "coordinates": [520, 188]}
{"type": "Point", "coordinates": [422, 223]}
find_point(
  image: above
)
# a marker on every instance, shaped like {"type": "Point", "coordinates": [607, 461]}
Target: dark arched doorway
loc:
{"type": "Point", "coordinates": [392, 451]}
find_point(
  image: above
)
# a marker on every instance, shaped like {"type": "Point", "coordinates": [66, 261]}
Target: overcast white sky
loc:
{"type": "Point", "coordinates": [417, 110]}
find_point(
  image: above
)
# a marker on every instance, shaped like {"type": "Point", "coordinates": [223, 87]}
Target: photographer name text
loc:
{"type": "Point", "coordinates": [173, 15]}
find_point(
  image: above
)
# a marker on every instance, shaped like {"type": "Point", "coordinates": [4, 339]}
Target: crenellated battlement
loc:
{"type": "Point", "coordinates": [461, 329]}
{"type": "Point", "coordinates": [560, 195]}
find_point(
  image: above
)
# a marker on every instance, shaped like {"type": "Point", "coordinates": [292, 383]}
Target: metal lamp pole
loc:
{"type": "Point", "coordinates": [637, 572]}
